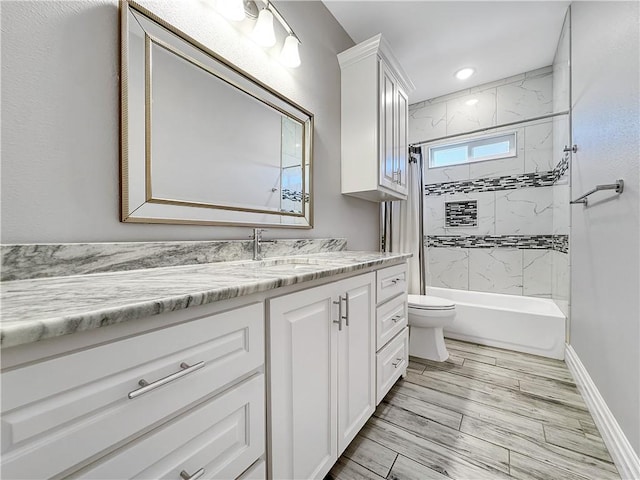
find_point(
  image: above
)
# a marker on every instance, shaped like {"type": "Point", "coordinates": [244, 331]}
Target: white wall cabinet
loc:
{"type": "Point", "coordinates": [374, 114]}
{"type": "Point", "coordinates": [322, 374]}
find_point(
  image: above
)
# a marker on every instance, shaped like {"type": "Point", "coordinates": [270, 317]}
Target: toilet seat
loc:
{"type": "Point", "coordinates": [427, 302]}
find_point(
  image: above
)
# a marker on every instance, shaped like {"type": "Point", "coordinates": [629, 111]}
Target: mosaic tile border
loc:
{"type": "Point", "coordinates": [506, 182]}
{"type": "Point", "coordinates": [461, 214]}
{"type": "Point", "coordinates": [294, 195]}
{"type": "Point", "coordinates": [559, 243]}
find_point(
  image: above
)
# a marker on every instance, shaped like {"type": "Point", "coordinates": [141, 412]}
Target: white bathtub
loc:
{"type": "Point", "coordinates": [524, 324]}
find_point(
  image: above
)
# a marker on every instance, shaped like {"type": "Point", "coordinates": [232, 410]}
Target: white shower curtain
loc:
{"type": "Point", "coordinates": [405, 224]}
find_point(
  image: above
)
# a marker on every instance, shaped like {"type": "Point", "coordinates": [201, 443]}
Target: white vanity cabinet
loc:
{"type": "Point", "coordinates": [189, 396]}
{"type": "Point", "coordinates": [392, 338]}
{"type": "Point", "coordinates": [274, 384]}
{"type": "Point", "coordinates": [374, 122]}
{"type": "Point", "coordinates": [322, 374]}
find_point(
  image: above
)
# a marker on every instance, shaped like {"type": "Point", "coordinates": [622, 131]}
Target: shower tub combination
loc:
{"type": "Point", "coordinates": [524, 324]}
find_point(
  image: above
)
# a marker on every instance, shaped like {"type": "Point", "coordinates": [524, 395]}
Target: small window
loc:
{"type": "Point", "coordinates": [474, 150]}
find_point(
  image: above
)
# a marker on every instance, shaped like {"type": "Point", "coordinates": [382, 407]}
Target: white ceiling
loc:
{"type": "Point", "coordinates": [433, 40]}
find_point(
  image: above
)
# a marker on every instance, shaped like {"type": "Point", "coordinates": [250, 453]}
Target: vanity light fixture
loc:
{"type": "Point", "coordinates": [465, 73]}
{"type": "Point", "coordinates": [471, 102]}
{"type": "Point", "coordinates": [289, 56]}
{"type": "Point", "coordinates": [263, 32]}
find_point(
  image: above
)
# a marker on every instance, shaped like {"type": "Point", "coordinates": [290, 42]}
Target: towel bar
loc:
{"type": "Point", "coordinates": [618, 187]}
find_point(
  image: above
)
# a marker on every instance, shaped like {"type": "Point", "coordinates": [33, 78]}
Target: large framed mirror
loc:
{"type": "Point", "coordinates": [202, 141]}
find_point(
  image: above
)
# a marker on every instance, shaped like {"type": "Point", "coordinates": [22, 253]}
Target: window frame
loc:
{"type": "Point", "coordinates": [477, 142]}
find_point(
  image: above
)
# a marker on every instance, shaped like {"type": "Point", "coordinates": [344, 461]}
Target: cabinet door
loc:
{"type": "Point", "coordinates": [356, 357]}
{"type": "Point", "coordinates": [402, 143]}
{"type": "Point", "coordinates": [303, 384]}
{"type": "Point", "coordinates": [387, 130]}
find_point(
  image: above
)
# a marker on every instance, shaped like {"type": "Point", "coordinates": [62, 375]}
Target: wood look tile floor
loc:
{"type": "Point", "coordinates": [485, 413]}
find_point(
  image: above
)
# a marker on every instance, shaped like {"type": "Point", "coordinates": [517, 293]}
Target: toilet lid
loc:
{"type": "Point", "coordinates": [427, 302]}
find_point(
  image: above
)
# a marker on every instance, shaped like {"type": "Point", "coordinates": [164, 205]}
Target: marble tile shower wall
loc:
{"type": "Point", "coordinates": [511, 99]}
{"type": "Point", "coordinates": [515, 196]}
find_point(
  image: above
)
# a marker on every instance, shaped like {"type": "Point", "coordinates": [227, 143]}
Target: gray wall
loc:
{"type": "Point", "coordinates": [60, 119]}
{"type": "Point", "coordinates": [605, 264]}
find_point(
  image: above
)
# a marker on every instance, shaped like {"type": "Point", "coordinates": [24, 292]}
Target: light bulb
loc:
{"type": "Point", "coordinates": [232, 9]}
{"type": "Point", "coordinates": [263, 32]}
{"type": "Point", "coordinates": [464, 73]}
{"type": "Point", "coordinates": [289, 56]}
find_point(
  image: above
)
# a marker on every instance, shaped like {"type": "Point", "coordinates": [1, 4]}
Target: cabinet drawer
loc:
{"type": "Point", "coordinates": [391, 317]}
{"type": "Point", "coordinates": [222, 437]}
{"type": "Point", "coordinates": [392, 362]}
{"type": "Point", "coordinates": [390, 282]}
{"type": "Point", "coordinates": [71, 408]}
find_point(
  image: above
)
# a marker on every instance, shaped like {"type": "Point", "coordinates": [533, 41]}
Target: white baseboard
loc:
{"type": "Point", "coordinates": [623, 455]}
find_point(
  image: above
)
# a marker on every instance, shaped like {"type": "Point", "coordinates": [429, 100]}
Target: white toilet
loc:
{"type": "Point", "coordinates": [427, 317]}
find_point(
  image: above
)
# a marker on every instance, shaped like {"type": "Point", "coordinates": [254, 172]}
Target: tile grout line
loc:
{"type": "Point", "coordinates": [417, 414]}
{"type": "Point", "coordinates": [542, 460]}
{"type": "Point", "coordinates": [448, 447]}
{"type": "Point", "coordinates": [364, 466]}
{"type": "Point", "coordinates": [559, 467]}
{"type": "Point", "coordinates": [392, 465]}
{"type": "Point", "coordinates": [470, 376]}
{"type": "Point", "coordinates": [474, 461]}
{"type": "Point", "coordinates": [488, 404]}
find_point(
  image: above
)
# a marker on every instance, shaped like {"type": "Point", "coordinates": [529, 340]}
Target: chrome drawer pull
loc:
{"type": "Point", "coordinates": [398, 362]}
{"type": "Point", "coordinates": [396, 318]}
{"type": "Point", "coordinates": [186, 476]}
{"type": "Point", "coordinates": [147, 387]}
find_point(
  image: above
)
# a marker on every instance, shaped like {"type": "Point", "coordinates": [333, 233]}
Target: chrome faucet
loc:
{"type": "Point", "coordinates": [257, 243]}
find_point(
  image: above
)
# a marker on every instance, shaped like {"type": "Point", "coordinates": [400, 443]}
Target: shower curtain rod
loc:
{"type": "Point", "coordinates": [480, 130]}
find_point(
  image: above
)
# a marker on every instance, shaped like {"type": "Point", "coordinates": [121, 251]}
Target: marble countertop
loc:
{"type": "Point", "coordinates": [37, 309]}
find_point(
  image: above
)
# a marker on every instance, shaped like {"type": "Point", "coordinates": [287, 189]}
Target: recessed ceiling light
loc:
{"type": "Point", "coordinates": [471, 102]}
{"type": "Point", "coordinates": [464, 73]}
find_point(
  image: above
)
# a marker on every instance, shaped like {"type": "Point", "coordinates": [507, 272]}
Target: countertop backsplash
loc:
{"type": "Point", "coordinates": [27, 261]}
